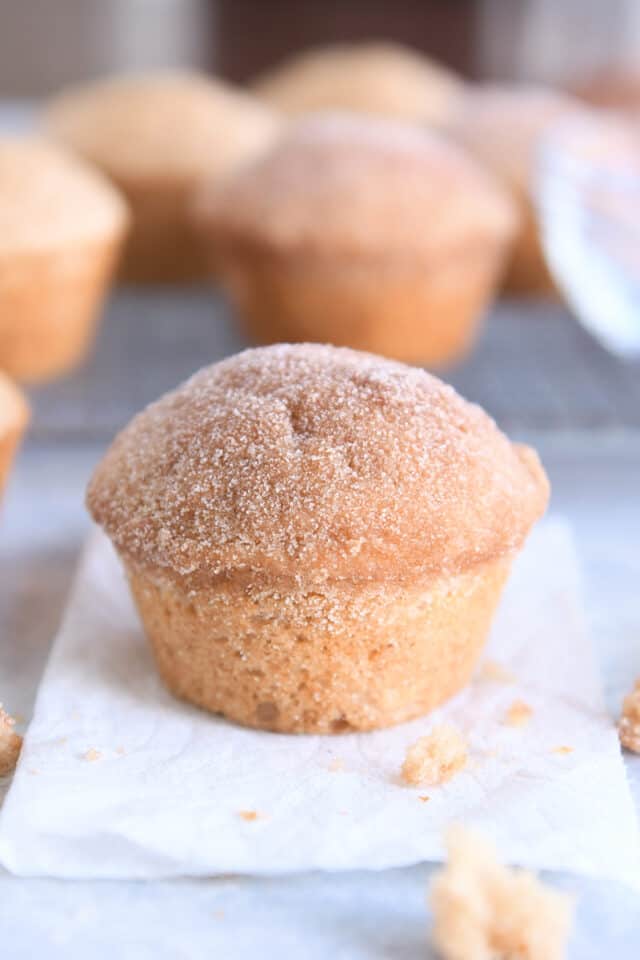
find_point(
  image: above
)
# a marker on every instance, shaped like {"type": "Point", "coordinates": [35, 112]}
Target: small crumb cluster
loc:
{"type": "Point", "coordinates": [435, 758]}
{"type": "Point", "coordinates": [629, 726]}
{"type": "Point", "coordinates": [484, 910]}
{"type": "Point", "coordinates": [518, 714]}
{"type": "Point", "coordinates": [495, 672]}
{"type": "Point", "coordinates": [10, 744]}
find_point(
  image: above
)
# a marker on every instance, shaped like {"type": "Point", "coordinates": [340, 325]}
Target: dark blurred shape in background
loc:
{"type": "Point", "coordinates": [45, 44]}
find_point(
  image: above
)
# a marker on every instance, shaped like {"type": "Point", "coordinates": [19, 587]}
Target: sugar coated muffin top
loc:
{"type": "Point", "coordinates": [49, 198]}
{"type": "Point", "coordinates": [352, 185]}
{"type": "Point", "coordinates": [374, 77]}
{"type": "Point", "coordinates": [503, 126]}
{"type": "Point", "coordinates": [316, 463]}
{"type": "Point", "coordinates": [169, 124]}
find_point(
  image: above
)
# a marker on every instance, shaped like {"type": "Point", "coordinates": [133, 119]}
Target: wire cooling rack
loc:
{"type": "Point", "coordinates": [534, 368]}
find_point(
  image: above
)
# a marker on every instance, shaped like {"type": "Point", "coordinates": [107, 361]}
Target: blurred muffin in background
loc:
{"type": "Point", "coordinates": [14, 415]}
{"type": "Point", "coordinates": [503, 127]}
{"type": "Point", "coordinates": [361, 232]}
{"type": "Point", "coordinates": [379, 78]}
{"type": "Point", "coordinates": [61, 228]}
{"type": "Point", "coordinates": [156, 136]}
{"type": "Point", "coordinates": [613, 90]}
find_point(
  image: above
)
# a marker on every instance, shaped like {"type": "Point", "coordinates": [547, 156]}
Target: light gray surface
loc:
{"type": "Point", "coordinates": [353, 915]}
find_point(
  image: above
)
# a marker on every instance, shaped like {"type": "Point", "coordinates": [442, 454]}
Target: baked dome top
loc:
{"type": "Point", "coordinates": [49, 198]}
{"type": "Point", "coordinates": [351, 184]}
{"type": "Point", "coordinates": [503, 126]}
{"type": "Point", "coordinates": [384, 78]}
{"type": "Point", "coordinates": [317, 463]}
{"type": "Point", "coordinates": [169, 124]}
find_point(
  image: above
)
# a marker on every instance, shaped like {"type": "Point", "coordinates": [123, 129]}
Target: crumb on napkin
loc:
{"type": "Point", "coordinates": [485, 910]}
{"type": "Point", "coordinates": [424, 798]}
{"type": "Point", "coordinates": [494, 671]}
{"type": "Point", "coordinates": [518, 714]}
{"type": "Point", "coordinates": [435, 758]}
{"type": "Point", "coordinates": [10, 744]}
{"type": "Point", "coordinates": [562, 749]}
{"type": "Point", "coordinates": [629, 726]}
{"type": "Point", "coordinates": [249, 815]}
{"type": "Point", "coordinates": [92, 755]}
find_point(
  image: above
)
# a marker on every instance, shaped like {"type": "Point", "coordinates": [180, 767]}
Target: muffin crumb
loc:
{"type": "Point", "coordinates": [483, 909]}
{"type": "Point", "coordinates": [562, 749]}
{"type": "Point", "coordinates": [518, 714]}
{"type": "Point", "coordinates": [92, 755]}
{"type": "Point", "coordinates": [629, 726]}
{"type": "Point", "coordinates": [435, 758]}
{"type": "Point", "coordinates": [10, 744]}
{"type": "Point", "coordinates": [424, 798]}
{"type": "Point", "coordinates": [495, 672]}
{"type": "Point", "coordinates": [248, 815]}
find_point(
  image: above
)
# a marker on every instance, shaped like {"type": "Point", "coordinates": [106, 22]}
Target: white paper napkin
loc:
{"type": "Point", "coordinates": [118, 779]}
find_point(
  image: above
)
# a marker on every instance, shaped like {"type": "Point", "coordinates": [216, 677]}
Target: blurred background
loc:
{"type": "Point", "coordinates": [44, 45]}
{"type": "Point", "coordinates": [534, 368]}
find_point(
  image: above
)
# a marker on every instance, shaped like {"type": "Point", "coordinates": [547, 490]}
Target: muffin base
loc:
{"type": "Point", "coordinates": [9, 440]}
{"type": "Point", "coordinates": [335, 658]}
{"type": "Point", "coordinates": [528, 274]}
{"type": "Point", "coordinates": [401, 308]}
{"type": "Point", "coordinates": [163, 244]}
{"type": "Point", "coordinates": [49, 305]}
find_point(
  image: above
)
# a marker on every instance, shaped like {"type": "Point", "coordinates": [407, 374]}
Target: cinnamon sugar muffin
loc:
{"type": "Point", "coordinates": [361, 232]}
{"type": "Point", "coordinates": [503, 127]}
{"type": "Point", "coordinates": [375, 77]}
{"type": "Point", "coordinates": [156, 135]}
{"type": "Point", "coordinates": [14, 414]}
{"type": "Point", "coordinates": [61, 228]}
{"type": "Point", "coordinates": [316, 539]}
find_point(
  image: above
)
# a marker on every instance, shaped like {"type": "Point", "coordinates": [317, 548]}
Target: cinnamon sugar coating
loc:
{"type": "Point", "coordinates": [51, 200]}
{"type": "Point", "coordinates": [165, 125]}
{"type": "Point", "coordinates": [356, 185]}
{"type": "Point", "coordinates": [314, 464]}
{"type": "Point", "coordinates": [378, 77]}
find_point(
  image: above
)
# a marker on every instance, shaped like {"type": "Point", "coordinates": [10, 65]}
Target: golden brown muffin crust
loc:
{"type": "Point", "coordinates": [374, 77]}
{"type": "Point", "coordinates": [163, 125]}
{"type": "Point", "coordinates": [315, 463]}
{"type": "Point", "coordinates": [354, 185]}
{"type": "Point", "coordinates": [50, 199]}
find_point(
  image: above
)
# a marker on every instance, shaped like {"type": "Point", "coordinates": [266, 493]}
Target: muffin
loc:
{"type": "Point", "coordinates": [612, 90]}
{"type": "Point", "coordinates": [361, 232]}
{"type": "Point", "coordinates": [156, 135]}
{"type": "Point", "coordinates": [14, 414]}
{"type": "Point", "coordinates": [503, 127]}
{"type": "Point", "coordinates": [316, 538]}
{"type": "Point", "coordinates": [379, 78]}
{"type": "Point", "coordinates": [61, 229]}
